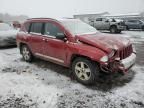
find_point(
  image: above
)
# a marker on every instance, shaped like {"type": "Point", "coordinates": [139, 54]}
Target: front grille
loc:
{"type": "Point", "coordinates": [125, 52]}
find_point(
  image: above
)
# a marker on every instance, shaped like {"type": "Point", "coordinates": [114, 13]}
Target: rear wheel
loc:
{"type": "Point", "coordinates": [113, 29]}
{"type": "Point", "coordinates": [84, 70]}
{"type": "Point", "coordinates": [26, 53]}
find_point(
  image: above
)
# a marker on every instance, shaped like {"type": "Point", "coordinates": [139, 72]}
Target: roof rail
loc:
{"type": "Point", "coordinates": [41, 18]}
{"type": "Point", "coordinates": [68, 18]}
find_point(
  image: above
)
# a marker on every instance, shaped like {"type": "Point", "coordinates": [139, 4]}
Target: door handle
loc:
{"type": "Point", "coordinates": [45, 40]}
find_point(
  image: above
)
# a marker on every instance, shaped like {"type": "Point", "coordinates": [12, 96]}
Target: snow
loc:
{"type": "Point", "coordinates": [7, 33]}
{"type": "Point", "coordinates": [135, 36]}
{"type": "Point", "coordinates": [17, 79]}
{"type": "Point", "coordinates": [129, 61]}
{"type": "Point", "coordinates": [27, 84]}
{"type": "Point", "coordinates": [42, 84]}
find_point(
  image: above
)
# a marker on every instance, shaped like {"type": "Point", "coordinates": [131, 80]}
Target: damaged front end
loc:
{"type": "Point", "coordinates": [121, 62]}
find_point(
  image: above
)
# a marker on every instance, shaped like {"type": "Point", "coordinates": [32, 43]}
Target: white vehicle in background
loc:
{"type": "Point", "coordinates": [7, 35]}
{"type": "Point", "coordinates": [110, 24]}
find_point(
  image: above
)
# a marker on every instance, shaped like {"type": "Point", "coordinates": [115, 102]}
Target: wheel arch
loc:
{"type": "Point", "coordinates": [74, 56]}
{"type": "Point", "coordinates": [20, 46]}
{"type": "Point", "coordinates": [113, 25]}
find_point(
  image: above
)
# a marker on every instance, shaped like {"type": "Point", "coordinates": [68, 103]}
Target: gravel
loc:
{"type": "Point", "coordinates": [42, 84]}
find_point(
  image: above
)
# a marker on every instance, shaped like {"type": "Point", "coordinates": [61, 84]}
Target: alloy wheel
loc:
{"type": "Point", "coordinates": [82, 71]}
{"type": "Point", "coordinates": [26, 53]}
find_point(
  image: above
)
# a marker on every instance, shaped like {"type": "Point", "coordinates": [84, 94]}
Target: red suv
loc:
{"type": "Point", "coordinates": [75, 44]}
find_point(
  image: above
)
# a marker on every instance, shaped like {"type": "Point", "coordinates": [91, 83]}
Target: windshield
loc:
{"type": "Point", "coordinates": [4, 27]}
{"type": "Point", "coordinates": [77, 27]}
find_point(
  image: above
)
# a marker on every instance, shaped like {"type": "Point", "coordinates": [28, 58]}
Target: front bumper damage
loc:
{"type": "Point", "coordinates": [118, 65]}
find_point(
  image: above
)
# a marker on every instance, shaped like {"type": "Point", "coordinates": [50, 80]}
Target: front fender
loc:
{"type": "Point", "coordinates": [88, 51]}
{"type": "Point", "coordinates": [93, 53]}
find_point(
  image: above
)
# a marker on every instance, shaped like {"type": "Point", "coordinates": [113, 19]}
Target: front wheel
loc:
{"type": "Point", "coordinates": [85, 70]}
{"type": "Point", "coordinates": [113, 29]}
{"type": "Point", "coordinates": [26, 53]}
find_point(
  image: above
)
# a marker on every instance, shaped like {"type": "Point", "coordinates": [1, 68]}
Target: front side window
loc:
{"type": "Point", "coordinates": [36, 27]}
{"type": "Point", "coordinates": [52, 30]}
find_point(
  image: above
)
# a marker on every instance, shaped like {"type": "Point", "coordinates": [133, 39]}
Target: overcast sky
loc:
{"type": "Point", "coordinates": [67, 8]}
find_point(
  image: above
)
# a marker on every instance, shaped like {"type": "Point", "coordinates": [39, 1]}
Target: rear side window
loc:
{"type": "Point", "coordinates": [36, 27]}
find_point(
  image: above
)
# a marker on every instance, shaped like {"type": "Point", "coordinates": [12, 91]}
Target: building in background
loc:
{"type": "Point", "coordinates": [10, 18]}
{"type": "Point", "coordinates": [136, 16]}
{"type": "Point", "coordinates": [91, 17]}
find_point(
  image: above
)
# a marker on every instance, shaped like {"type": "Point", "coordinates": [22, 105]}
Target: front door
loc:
{"type": "Point", "coordinates": [54, 48]}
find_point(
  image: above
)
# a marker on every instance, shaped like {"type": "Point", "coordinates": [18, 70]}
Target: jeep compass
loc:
{"type": "Point", "coordinates": [77, 45]}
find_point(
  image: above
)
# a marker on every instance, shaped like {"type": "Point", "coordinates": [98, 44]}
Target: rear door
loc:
{"type": "Point", "coordinates": [101, 24]}
{"type": "Point", "coordinates": [136, 24]}
{"type": "Point", "coordinates": [98, 23]}
{"type": "Point", "coordinates": [105, 24]}
{"type": "Point", "coordinates": [133, 24]}
{"type": "Point", "coordinates": [36, 41]}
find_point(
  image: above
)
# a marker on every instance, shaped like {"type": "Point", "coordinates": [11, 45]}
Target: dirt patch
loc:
{"type": "Point", "coordinates": [17, 102]}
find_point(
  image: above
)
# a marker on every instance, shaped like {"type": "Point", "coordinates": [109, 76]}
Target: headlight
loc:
{"type": "Point", "coordinates": [104, 59]}
{"type": "Point", "coordinates": [111, 54]}
{"type": "Point", "coordinates": [134, 50]}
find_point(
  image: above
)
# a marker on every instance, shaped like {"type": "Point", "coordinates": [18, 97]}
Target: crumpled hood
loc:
{"type": "Point", "coordinates": [103, 41]}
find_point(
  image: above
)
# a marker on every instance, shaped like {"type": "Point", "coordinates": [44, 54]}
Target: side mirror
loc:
{"type": "Point", "coordinates": [61, 36]}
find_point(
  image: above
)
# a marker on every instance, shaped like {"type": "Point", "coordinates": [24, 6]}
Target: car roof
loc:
{"type": "Point", "coordinates": [57, 20]}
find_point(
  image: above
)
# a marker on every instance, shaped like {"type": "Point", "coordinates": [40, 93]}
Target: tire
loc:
{"type": "Point", "coordinates": [26, 53]}
{"type": "Point", "coordinates": [84, 70]}
{"type": "Point", "coordinates": [118, 31]}
{"type": "Point", "coordinates": [113, 29]}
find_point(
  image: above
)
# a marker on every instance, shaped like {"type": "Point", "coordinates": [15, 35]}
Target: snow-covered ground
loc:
{"type": "Point", "coordinates": [43, 84]}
